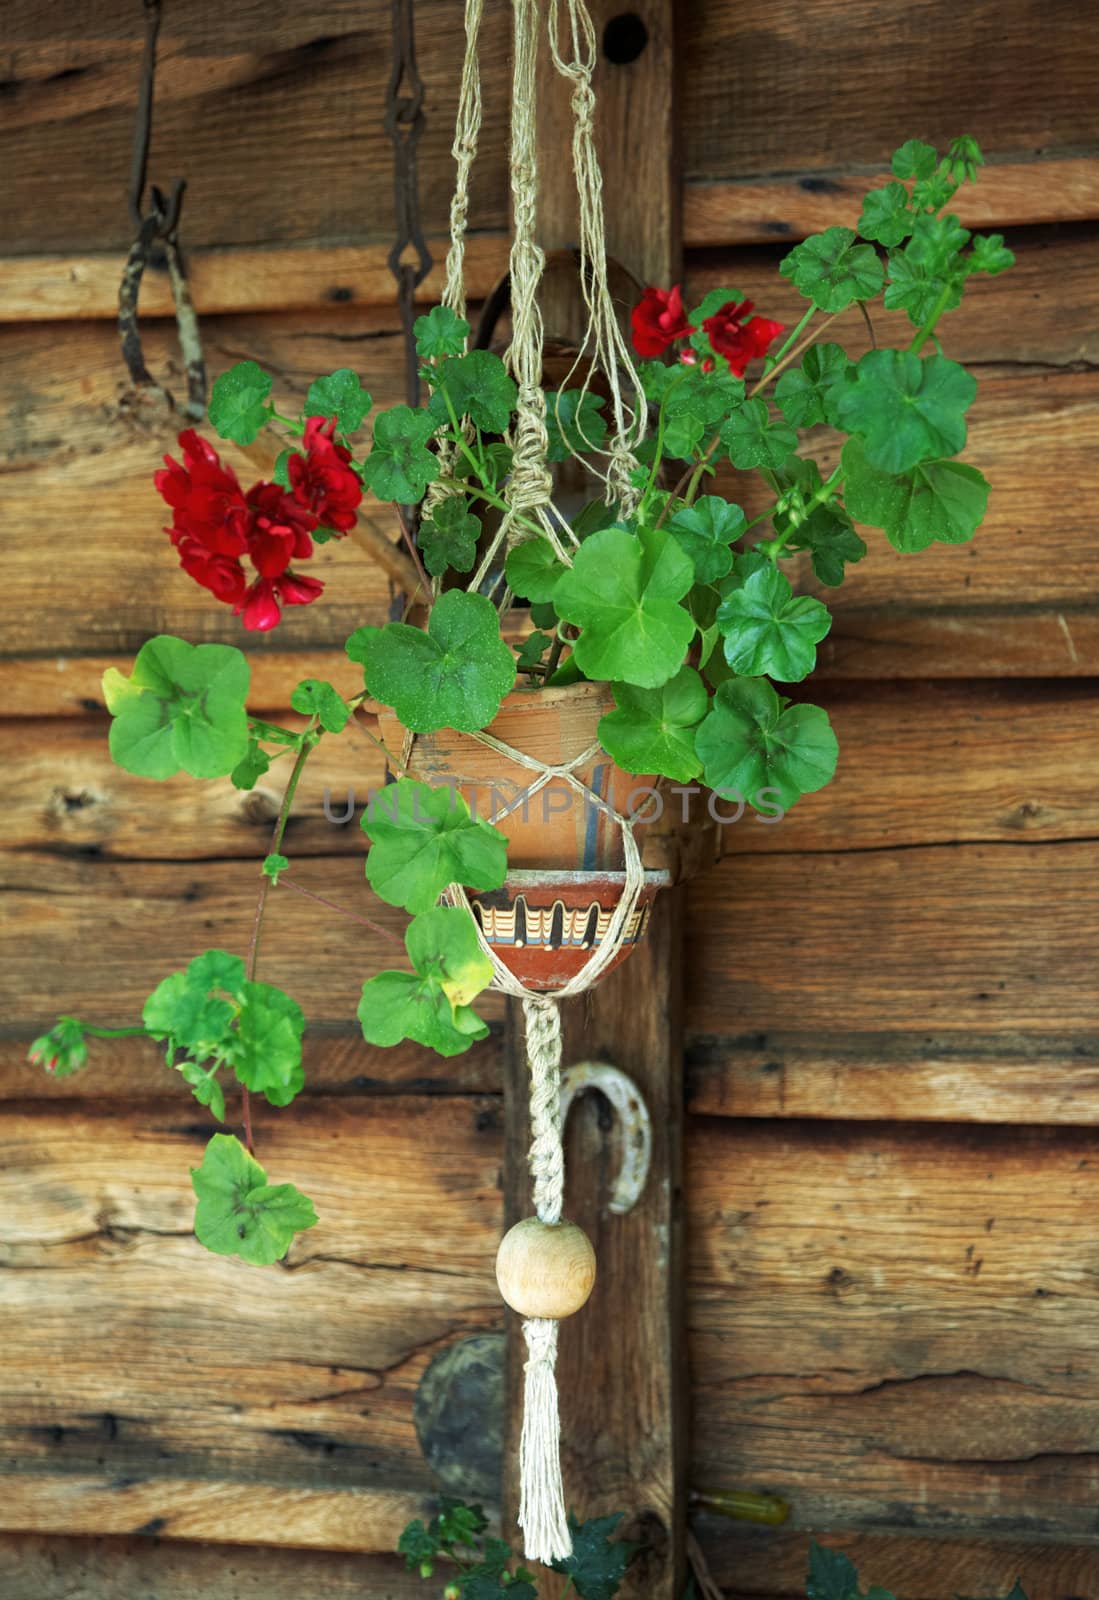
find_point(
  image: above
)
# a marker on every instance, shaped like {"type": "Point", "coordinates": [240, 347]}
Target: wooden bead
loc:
{"type": "Point", "coordinates": [545, 1269]}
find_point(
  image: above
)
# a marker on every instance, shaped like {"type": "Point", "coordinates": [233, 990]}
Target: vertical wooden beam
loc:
{"type": "Point", "coordinates": [621, 1362]}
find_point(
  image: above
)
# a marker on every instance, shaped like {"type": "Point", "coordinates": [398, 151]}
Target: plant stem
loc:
{"type": "Point", "coordinates": [112, 1033]}
{"type": "Point", "coordinates": [922, 335]}
{"type": "Point", "coordinates": [285, 881]}
{"type": "Point", "coordinates": [825, 492]}
{"type": "Point", "coordinates": [406, 532]}
{"type": "Point", "coordinates": [391, 761]}
{"type": "Point", "coordinates": [781, 351]}
{"type": "Point", "coordinates": [308, 740]}
{"type": "Point", "coordinates": [792, 355]}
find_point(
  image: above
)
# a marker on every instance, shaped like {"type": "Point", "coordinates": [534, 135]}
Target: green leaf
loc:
{"type": "Point", "coordinates": [251, 767]}
{"type": "Point", "coordinates": [273, 865]}
{"type": "Point", "coordinates": [942, 500]}
{"type": "Point", "coordinates": [399, 466]}
{"type": "Point", "coordinates": [265, 1052]}
{"type": "Point", "coordinates": [442, 332]}
{"type": "Point", "coordinates": [314, 697]}
{"type": "Point", "coordinates": [915, 159]}
{"type": "Point", "coordinates": [753, 740]}
{"type": "Point", "coordinates": [181, 707]}
{"type": "Point", "coordinates": [704, 533]}
{"type": "Point", "coordinates": [832, 1575]}
{"type": "Point", "coordinates": [990, 254]}
{"type": "Point", "coordinates": [449, 537]}
{"type": "Point", "coordinates": [62, 1050]}
{"type": "Point", "coordinates": [453, 676]}
{"type": "Point", "coordinates": [458, 1523]}
{"type": "Point", "coordinates": [478, 387]}
{"type": "Point", "coordinates": [281, 473]}
{"type": "Point", "coordinates": [339, 395]}
{"type": "Point", "coordinates": [532, 649]}
{"type": "Point", "coordinates": [929, 274]}
{"type": "Point", "coordinates": [931, 194]}
{"type": "Point", "coordinates": [753, 440]}
{"type": "Point", "coordinates": [239, 405]}
{"type": "Point", "coordinates": [652, 730]}
{"type": "Point", "coordinates": [695, 405]}
{"type": "Point", "coordinates": [430, 1006]}
{"type": "Point", "coordinates": [885, 215]}
{"type": "Point", "coordinates": [622, 591]}
{"type": "Point", "coordinates": [828, 535]}
{"type": "Point", "coordinates": [533, 570]}
{"type": "Point", "coordinates": [575, 423]}
{"type": "Point", "coordinates": [806, 395]}
{"type": "Point", "coordinates": [238, 1212]}
{"type": "Point", "coordinates": [906, 408]}
{"type": "Point", "coordinates": [769, 631]}
{"type": "Point", "coordinates": [424, 839]}
{"type": "Point", "coordinates": [598, 1563]}
{"type": "Point", "coordinates": [832, 270]}
{"type": "Point", "coordinates": [416, 1544]}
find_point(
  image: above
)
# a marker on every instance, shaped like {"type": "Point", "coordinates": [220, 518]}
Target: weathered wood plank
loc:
{"type": "Point", "coordinates": [259, 1407]}
{"type": "Point", "coordinates": [621, 1362]}
{"type": "Point", "coordinates": [897, 1332]}
{"type": "Point", "coordinates": [808, 110]}
{"type": "Point", "coordinates": [37, 1567]}
{"type": "Point", "coordinates": [751, 1562]}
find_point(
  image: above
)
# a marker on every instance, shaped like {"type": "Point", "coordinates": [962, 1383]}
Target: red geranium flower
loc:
{"type": "Point", "coordinates": [740, 341]}
{"type": "Point", "coordinates": [279, 530]}
{"type": "Point", "coordinates": [206, 499]}
{"type": "Point", "coordinates": [222, 575]}
{"type": "Point", "coordinates": [658, 320]}
{"type": "Point", "coordinates": [323, 479]}
{"type": "Point", "coordinates": [259, 609]}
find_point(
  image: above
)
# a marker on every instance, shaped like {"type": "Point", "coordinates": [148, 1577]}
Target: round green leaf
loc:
{"type": "Point", "coordinates": [753, 740]}
{"type": "Point", "coordinates": [181, 707]}
{"type": "Point", "coordinates": [906, 408]}
{"type": "Point", "coordinates": [430, 1006]}
{"type": "Point", "coordinates": [533, 569]}
{"type": "Point", "coordinates": [478, 386]}
{"type": "Point", "coordinates": [942, 500]}
{"type": "Point", "coordinates": [622, 591]}
{"type": "Point", "coordinates": [704, 533]}
{"type": "Point", "coordinates": [442, 332]}
{"type": "Point", "coordinates": [806, 395]}
{"type": "Point", "coordinates": [313, 697]}
{"type": "Point", "coordinates": [423, 839]}
{"type": "Point", "coordinates": [769, 631]}
{"type": "Point", "coordinates": [754, 440]}
{"type": "Point", "coordinates": [339, 395]}
{"type": "Point", "coordinates": [239, 405]}
{"type": "Point", "coordinates": [652, 730]}
{"type": "Point", "coordinates": [832, 270]}
{"type": "Point", "coordinates": [238, 1212]}
{"type": "Point", "coordinates": [399, 466]}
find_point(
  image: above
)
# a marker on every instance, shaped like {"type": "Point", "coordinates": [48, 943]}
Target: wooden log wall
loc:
{"type": "Point", "coordinates": [892, 1026]}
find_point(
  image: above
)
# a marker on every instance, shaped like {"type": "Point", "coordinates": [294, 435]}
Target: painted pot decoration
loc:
{"type": "Point", "coordinates": [545, 925]}
{"type": "Point", "coordinates": [557, 828]}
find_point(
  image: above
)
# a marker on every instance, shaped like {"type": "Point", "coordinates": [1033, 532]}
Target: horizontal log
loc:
{"type": "Point", "coordinates": [809, 111]}
{"type": "Point", "coordinates": [896, 1332]}
{"type": "Point", "coordinates": [750, 1563]}
{"type": "Point", "coordinates": [41, 1567]}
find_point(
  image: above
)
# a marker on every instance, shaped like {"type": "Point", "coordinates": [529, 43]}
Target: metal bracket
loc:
{"type": "Point", "coordinates": [637, 1133]}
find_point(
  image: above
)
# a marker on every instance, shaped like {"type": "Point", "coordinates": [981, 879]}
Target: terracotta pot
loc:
{"type": "Point", "coordinates": [556, 829]}
{"type": "Point", "coordinates": [544, 925]}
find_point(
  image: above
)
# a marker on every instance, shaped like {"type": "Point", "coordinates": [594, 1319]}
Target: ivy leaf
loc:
{"type": "Point", "coordinates": [273, 865]}
{"type": "Point", "coordinates": [828, 535]}
{"type": "Point", "coordinates": [181, 707]}
{"type": "Point", "coordinates": [424, 839]}
{"type": "Point", "coordinates": [449, 537]}
{"type": "Point", "coordinates": [453, 676]}
{"type": "Point", "coordinates": [251, 767]}
{"type": "Point", "coordinates": [942, 500]}
{"type": "Point", "coordinates": [906, 408]}
{"type": "Point", "coordinates": [575, 423]}
{"type": "Point", "coordinates": [704, 533]}
{"type": "Point", "coordinates": [990, 254]}
{"type": "Point", "coordinates": [239, 405]}
{"type": "Point", "coordinates": [652, 730]}
{"type": "Point", "coordinates": [399, 466]}
{"type": "Point", "coordinates": [806, 395]}
{"type": "Point", "coordinates": [753, 740]}
{"type": "Point", "coordinates": [238, 1212]}
{"type": "Point", "coordinates": [532, 649]}
{"type": "Point", "coordinates": [832, 270]}
{"type": "Point", "coordinates": [598, 1563]}
{"type": "Point", "coordinates": [885, 215]}
{"type": "Point", "coordinates": [313, 697]}
{"type": "Point", "coordinates": [832, 1575]}
{"type": "Point", "coordinates": [339, 395]}
{"type": "Point", "coordinates": [914, 159]}
{"type": "Point", "coordinates": [622, 591]}
{"type": "Point", "coordinates": [533, 570]}
{"type": "Point", "coordinates": [430, 1006]}
{"type": "Point", "coordinates": [769, 631]}
{"type": "Point", "coordinates": [478, 387]}
{"type": "Point", "coordinates": [442, 332]}
{"type": "Point", "coordinates": [753, 440]}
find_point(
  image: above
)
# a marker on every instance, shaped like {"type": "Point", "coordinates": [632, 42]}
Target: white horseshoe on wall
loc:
{"type": "Point", "coordinates": [637, 1132]}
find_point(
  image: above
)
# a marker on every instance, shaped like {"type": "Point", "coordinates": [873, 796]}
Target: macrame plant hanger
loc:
{"type": "Point", "coordinates": [542, 1504]}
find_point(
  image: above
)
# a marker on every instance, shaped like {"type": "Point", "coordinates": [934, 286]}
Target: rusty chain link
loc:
{"type": "Point", "coordinates": [404, 123]}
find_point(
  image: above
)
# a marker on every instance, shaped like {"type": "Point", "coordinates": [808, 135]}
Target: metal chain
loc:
{"type": "Point", "coordinates": [160, 225]}
{"type": "Point", "coordinates": [404, 123]}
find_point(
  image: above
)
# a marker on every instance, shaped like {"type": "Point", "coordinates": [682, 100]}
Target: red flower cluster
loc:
{"type": "Point", "coordinates": [659, 320]}
{"type": "Point", "coordinates": [215, 524]}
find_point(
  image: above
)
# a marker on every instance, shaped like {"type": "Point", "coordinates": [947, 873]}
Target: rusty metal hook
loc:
{"type": "Point", "coordinates": [637, 1132]}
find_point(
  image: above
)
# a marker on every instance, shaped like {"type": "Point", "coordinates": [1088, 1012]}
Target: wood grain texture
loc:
{"type": "Point", "coordinates": [620, 1367]}
{"type": "Point", "coordinates": [897, 1333]}
{"type": "Point", "coordinates": [203, 1399]}
{"type": "Point", "coordinates": [38, 1567]}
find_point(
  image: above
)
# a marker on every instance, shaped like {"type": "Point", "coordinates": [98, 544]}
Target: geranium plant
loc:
{"type": "Point", "coordinates": [678, 601]}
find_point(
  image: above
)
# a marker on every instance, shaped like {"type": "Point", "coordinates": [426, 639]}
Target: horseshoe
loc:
{"type": "Point", "coordinates": [637, 1133]}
